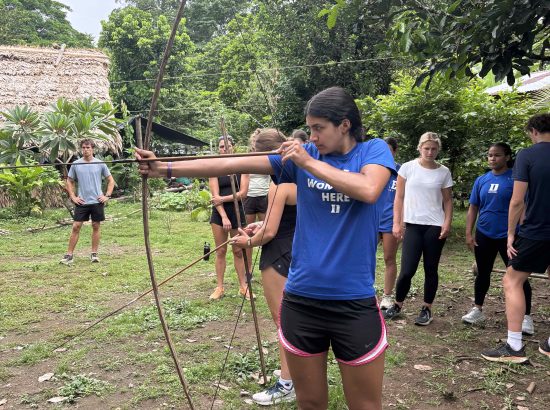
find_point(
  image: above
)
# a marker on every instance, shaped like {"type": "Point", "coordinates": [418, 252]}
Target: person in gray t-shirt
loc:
{"type": "Point", "coordinates": [90, 201]}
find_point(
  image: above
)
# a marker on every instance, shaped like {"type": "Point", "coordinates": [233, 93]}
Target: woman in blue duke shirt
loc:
{"type": "Point", "coordinates": [389, 242]}
{"type": "Point", "coordinates": [490, 199]}
{"type": "Point", "coordinates": [329, 298]}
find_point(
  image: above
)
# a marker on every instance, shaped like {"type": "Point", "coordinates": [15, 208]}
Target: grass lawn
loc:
{"type": "Point", "coordinates": [123, 363]}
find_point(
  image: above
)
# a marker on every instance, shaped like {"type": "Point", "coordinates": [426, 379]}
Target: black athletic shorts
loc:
{"type": "Point", "coordinates": [354, 328]}
{"type": "Point", "coordinates": [83, 213]}
{"type": "Point", "coordinates": [278, 254]}
{"type": "Point", "coordinates": [533, 256]}
{"type": "Point", "coordinates": [255, 205]}
{"type": "Point", "coordinates": [229, 207]}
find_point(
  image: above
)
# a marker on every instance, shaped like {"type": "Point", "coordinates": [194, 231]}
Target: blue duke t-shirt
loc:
{"type": "Point", "coordinates": [334, 248]}
{"type": "Point", "coordinates": [388, 197]}
{"type": "Point", "coordinates": [491, 194]}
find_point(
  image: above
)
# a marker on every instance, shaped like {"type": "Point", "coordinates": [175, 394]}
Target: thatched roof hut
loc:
{"type": "Point", "coordinates": [38, 77]}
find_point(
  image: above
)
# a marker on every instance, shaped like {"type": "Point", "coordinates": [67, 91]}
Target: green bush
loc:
{"type": "Point", "coordinates": [196, 201]}
{"type": "Point", "coordinates": [467, 119]}
{"type": "Point", "coordinates": [22, 183]}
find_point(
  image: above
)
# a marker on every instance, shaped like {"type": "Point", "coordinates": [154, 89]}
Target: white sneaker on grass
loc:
{"type": "Point", "coordinates": [275, 394]}
{"type": "Point", "coordinates": [386, 302]}
{"type": "Point", "coordinates": [474, 316]}
{"type": "Point", "coordinates": [67, 260]}
{"type": "Point", "coordinates": [527, 326]}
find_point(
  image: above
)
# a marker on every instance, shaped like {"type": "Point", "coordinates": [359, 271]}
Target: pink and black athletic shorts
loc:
{"type": "Point", "coordinates": [354, 328]}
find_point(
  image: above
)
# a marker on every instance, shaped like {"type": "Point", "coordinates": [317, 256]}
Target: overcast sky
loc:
{"type": "Point", "coordinates": [87, 14]}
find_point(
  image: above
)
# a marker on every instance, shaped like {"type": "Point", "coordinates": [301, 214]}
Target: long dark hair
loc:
{"type": "Point", "coordinates": [507, 151]}
{"type": "Point", "coordinates": [392, 142]}
{"type": "Point", "coordinates": [336, 105]}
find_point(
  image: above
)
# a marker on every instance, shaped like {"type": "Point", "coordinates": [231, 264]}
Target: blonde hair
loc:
{"type": "Point", "coordinates": [429, 136]}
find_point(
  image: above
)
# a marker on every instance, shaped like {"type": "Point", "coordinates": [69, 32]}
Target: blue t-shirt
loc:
{"type": "Point", "coordinates": [491, 194]}
{"type": "Point", "coordinates": [334, 247]}
{"type": "Point", "coordinates": [386, 218]}
{"type": "Point", "coordinates": [533, 166]}
{"type": "Point", "coordinates": [89, 179]}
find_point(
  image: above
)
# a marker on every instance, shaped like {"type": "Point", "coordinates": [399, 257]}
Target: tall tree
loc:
{"type": "Point", "coordinates": [135, 41]}
{"type": "Point", "coordinates": [204, 18]}
{"type": "Point", "coordinates": [455, 36]}
{"type": "Point", "coordinates": [38, 22]}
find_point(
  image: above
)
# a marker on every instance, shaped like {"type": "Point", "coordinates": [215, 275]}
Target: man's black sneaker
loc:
{"type": "Point", "coordinates": [544, 348]}
{"type": "Point", "coordinates": [392, 312]}
{"type": "Point", "coordinates": [94, 258]}
{"type": "Point", "coordinates": [505, 354]}
{"type": "Point", "coordinates": [425, 317]}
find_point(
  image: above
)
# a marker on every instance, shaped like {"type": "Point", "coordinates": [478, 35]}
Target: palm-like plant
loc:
{"type": "Point", "coordinates": [55, 134]}
{"type": "Point", "coordinates": [18, 135]}
{"type": "Point", "coordinates": [69, 122]}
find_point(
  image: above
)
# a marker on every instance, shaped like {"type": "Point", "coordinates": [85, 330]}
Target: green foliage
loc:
{"type": "Point", "coordinates": [126, 176]}
{"type": "Point", "coordinates": [55, 133]}
{"type": "Point", "coordinates": [18, 133]}
{"type": "Point", "coordinates": [130, 34]}
{"type": "Point", "coordinates": [236, 69]}
{"type": "Point", "coordinates": [453, 36]}
{"type": "Point", "coordinates": [182, 314]}
{"type": "Point", "coordinates": [41, 23]}
{"type": "Point", "coordinates": [195, 200]}
{"type": "Point", "coordinates": [467, 119]}
{"type": "Point", "coordinates": [82, 386]}
{"type": "Point", "coordinates": [22, 185]}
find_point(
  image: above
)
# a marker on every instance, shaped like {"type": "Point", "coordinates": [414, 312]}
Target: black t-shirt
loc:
{"type": "Point", "coordinates": [533, 166]}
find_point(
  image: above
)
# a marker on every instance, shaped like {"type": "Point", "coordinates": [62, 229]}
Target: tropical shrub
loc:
{"type": "Point", "coordinates": [467, 119]}
{"type": "Point", "coordinates": [22, 185]}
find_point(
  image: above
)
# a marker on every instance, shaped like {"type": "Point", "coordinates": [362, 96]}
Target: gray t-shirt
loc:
{"type": "Point", "coordinates": [89, 179]}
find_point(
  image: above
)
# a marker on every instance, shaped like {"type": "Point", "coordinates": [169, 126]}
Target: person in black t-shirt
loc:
{"type": "Point", "coordinates": [529, 250]}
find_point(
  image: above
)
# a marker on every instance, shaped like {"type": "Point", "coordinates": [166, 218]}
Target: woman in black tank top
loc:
{"type": "Point", "coordinates": [224, 222]}
{"type": "Point", "coordinates": [275, 236]}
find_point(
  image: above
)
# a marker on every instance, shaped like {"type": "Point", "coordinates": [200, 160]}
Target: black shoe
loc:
{"type": "Point", "coordinates": [392, 312]}
{"type": "Point", "coordinates": [425, 317]}
{"type": "Point", "coordinates": [505, 354]}
{"type": "Point", "coordinates": [544, 348]}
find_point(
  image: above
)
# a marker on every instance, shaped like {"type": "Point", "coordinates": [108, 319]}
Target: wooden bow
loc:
{"type": "Point", "coordinates": [145, 205]}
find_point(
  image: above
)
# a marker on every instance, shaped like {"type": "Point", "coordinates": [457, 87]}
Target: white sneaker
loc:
{"type": "Point", "coordinates": [67, 260]}
{"type": "Point", "coordinates": [386, 302]}
{"type": "Point", "coordinates": [275, 394]}
{"type": "Point", "coordinates": [527, 327]}
{"type": "Point", "coordinates": [474, 316]}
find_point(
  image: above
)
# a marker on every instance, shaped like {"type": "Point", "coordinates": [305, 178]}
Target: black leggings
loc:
{"type": "Point", "coordinates": [486, 252]}
{"type": "Point", "coordinates": [420, 240]}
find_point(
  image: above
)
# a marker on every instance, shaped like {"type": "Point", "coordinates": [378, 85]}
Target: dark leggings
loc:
{"type": "Point", "coordinates": [420, 240]}
{"type": "Point", "coordinates": [486, 252]}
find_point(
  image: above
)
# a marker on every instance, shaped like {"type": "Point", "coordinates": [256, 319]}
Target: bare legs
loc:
{"type": "Point", "coordinates": [75, 234]}
{"type": "Point", "coordinates": [220, 236]}
{"type": "Point", "coordinates": [274, 284]}
{"type": "Point", "coordinates": [515, 297]}
{"type": "Point", "coordinates": [389, 246]}
{"type": "Point", "coordinates": [362, 384]}
{"type": "Point", "coordinates": [96, 235]}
